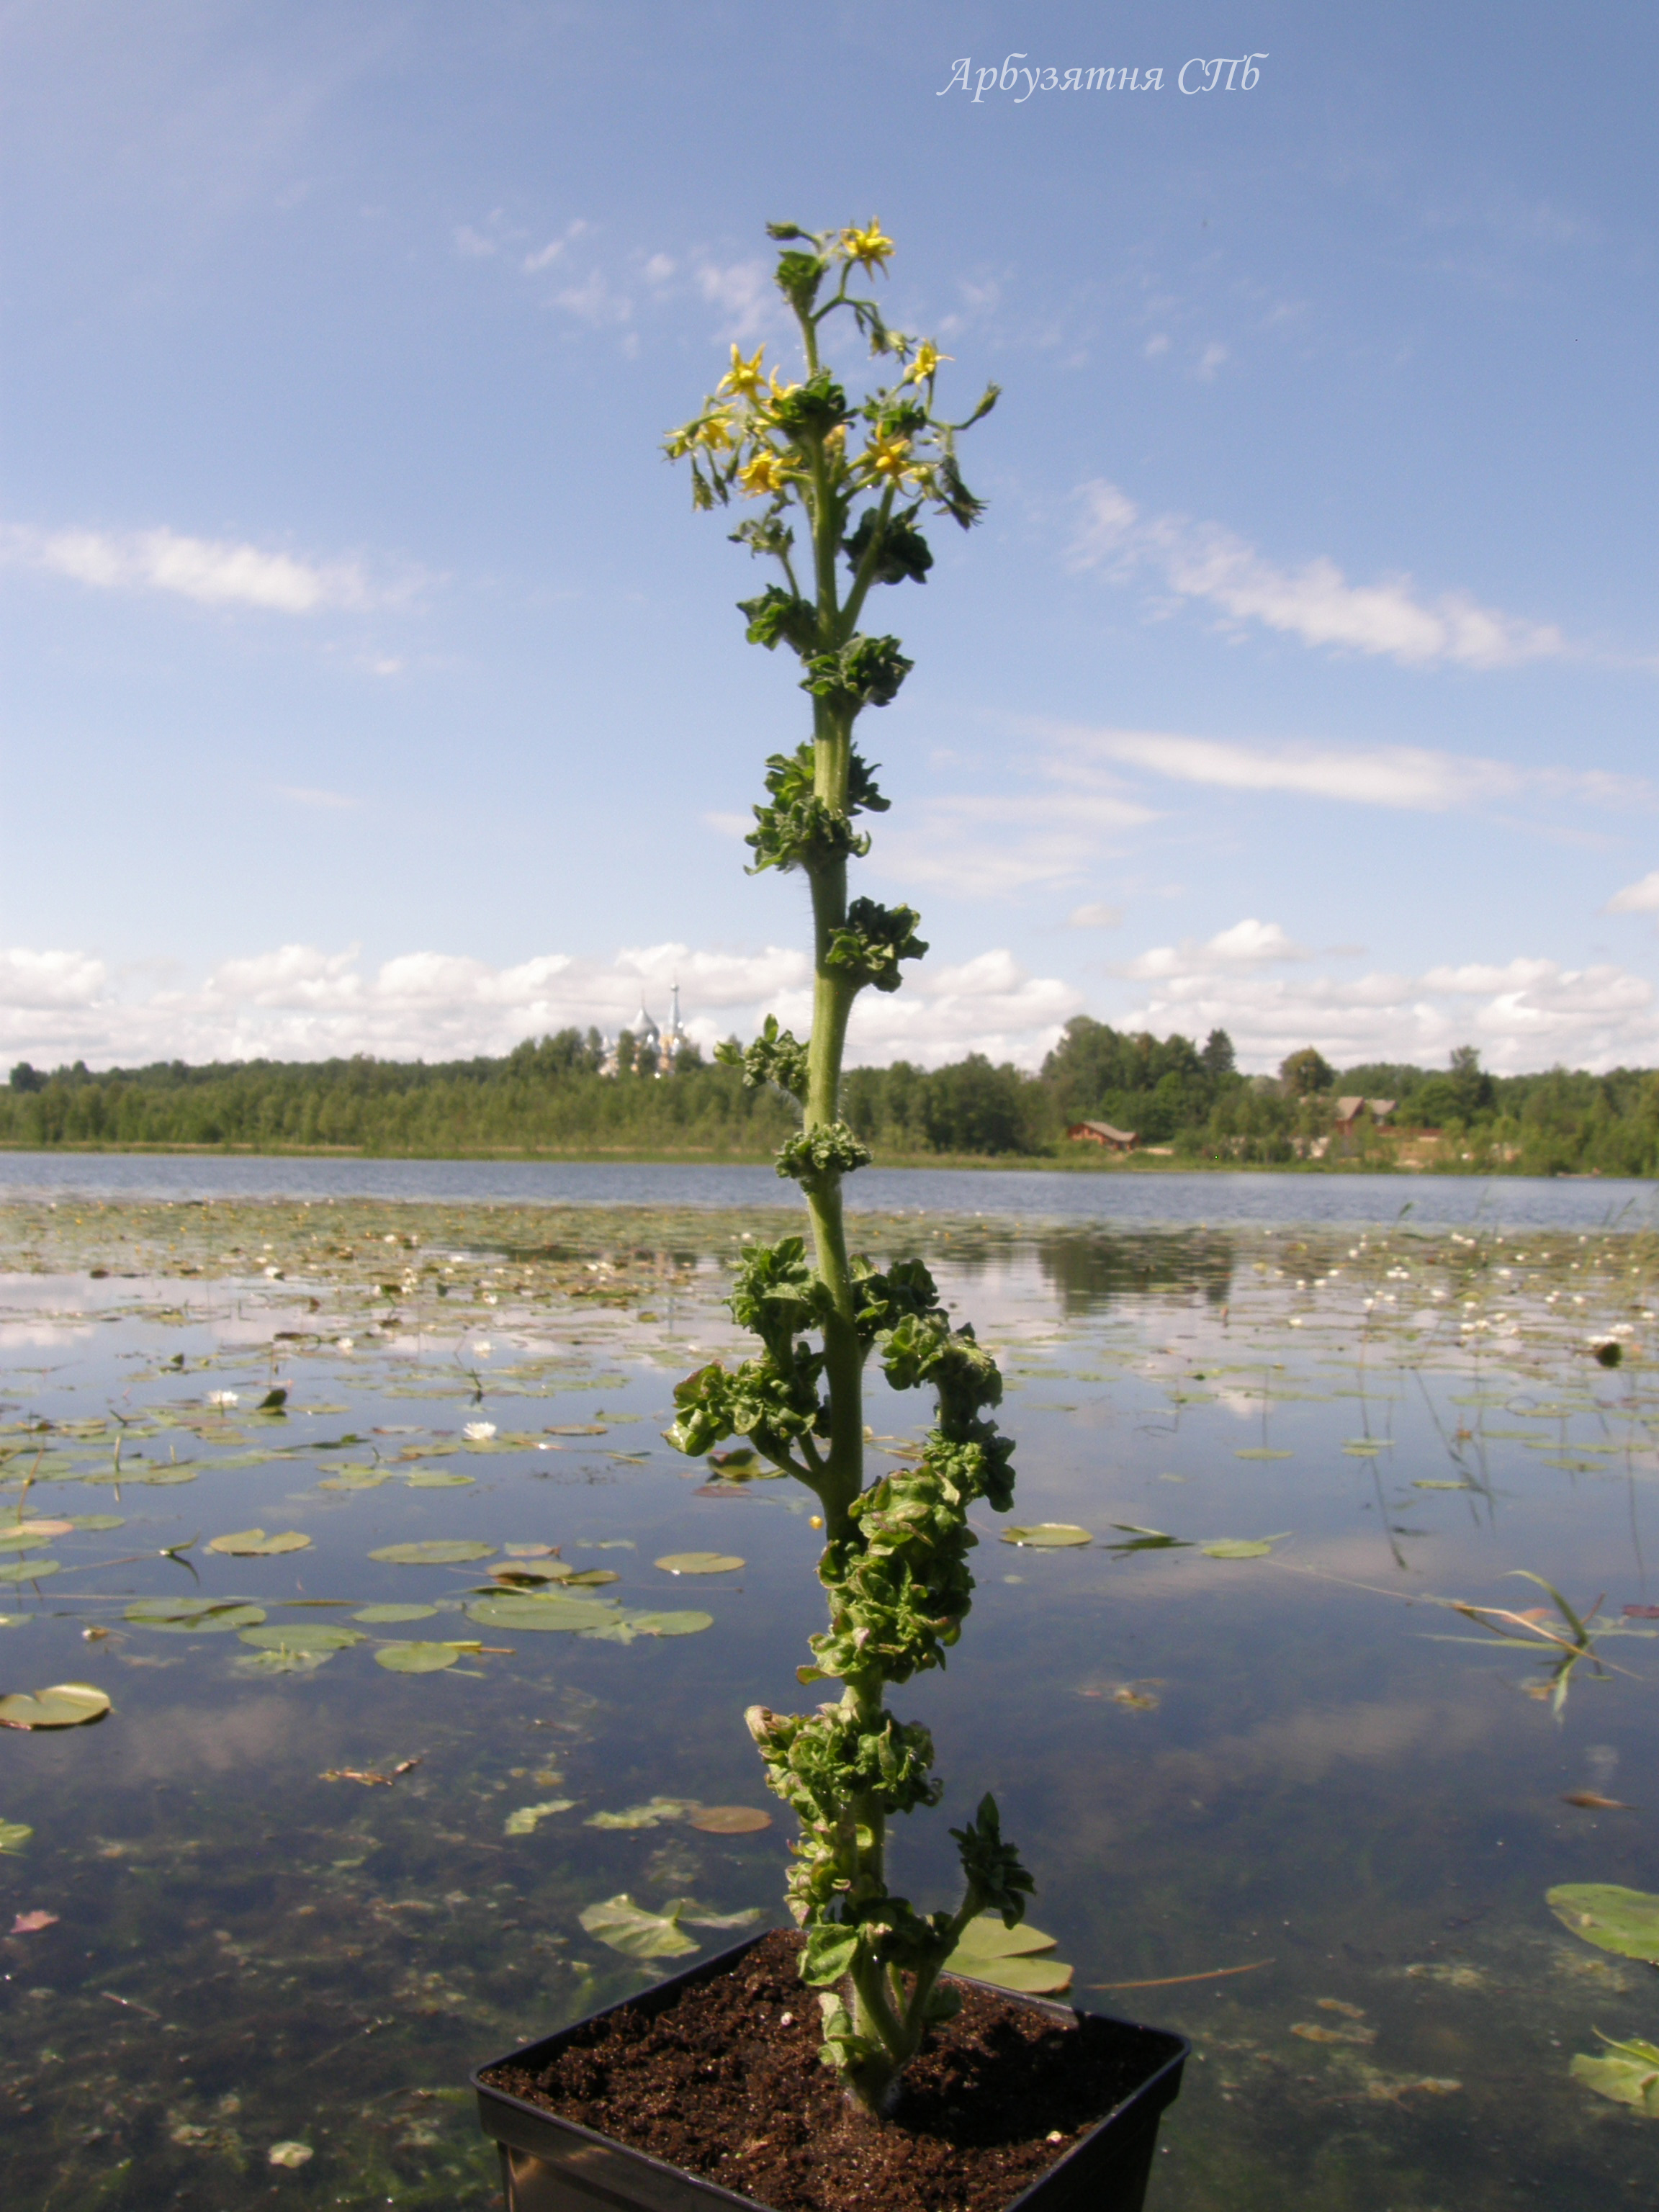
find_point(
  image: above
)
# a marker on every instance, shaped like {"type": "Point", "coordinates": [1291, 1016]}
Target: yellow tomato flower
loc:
{"type": "Point", "coordinates": [868, 247]}
{"type": "Point", "coordinates": [715, 431]}
{"type": "Point", "coordinates": [927, 359]}
{"type": "Point", "coordinates": [887, 458]}
{"type": "Point", "coordinates": [744, 377]}
{"type": "Point", "coordinates": [766, 474]}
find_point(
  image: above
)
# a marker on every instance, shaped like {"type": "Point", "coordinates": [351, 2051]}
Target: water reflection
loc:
{"type": "Point", "coordinates": [1090, 1269]}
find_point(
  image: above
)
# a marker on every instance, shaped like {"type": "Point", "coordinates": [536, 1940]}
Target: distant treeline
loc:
{"type": "Point", "coordinates": [548, 1096]}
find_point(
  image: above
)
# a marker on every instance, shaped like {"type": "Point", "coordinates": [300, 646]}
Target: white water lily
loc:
{"type": "Point", "coordinates": [478, 1432]}
{"type": "Point", "coordinates": [482, 1350]}
{"type": "Point", "coordinates": [345, 1344]}
{"type": "Point", "coordinates": [290, 2154]}
{"type": "Point", "coordinates": [223, 1398]}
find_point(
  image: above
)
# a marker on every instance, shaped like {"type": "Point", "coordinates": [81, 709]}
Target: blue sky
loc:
{"type": "Point", "coordinates": [370, 685]}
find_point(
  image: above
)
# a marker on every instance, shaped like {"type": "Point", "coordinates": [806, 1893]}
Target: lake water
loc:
{"type": "Point", "coordinates": [1138, 1197]}
{"type": "Point", "coordinates": [1277, 1793]}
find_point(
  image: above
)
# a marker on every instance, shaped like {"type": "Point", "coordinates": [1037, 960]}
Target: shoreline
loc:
{"type": "Point", "coordinates": [977, 1162]}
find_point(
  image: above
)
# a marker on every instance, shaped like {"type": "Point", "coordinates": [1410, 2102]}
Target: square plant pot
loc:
{"type": "Point", "coordinates": [553, 2164]}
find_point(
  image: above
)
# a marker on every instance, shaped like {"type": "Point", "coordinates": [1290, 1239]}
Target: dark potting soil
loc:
{"type": "Point", "coordinates": [726, 2082]}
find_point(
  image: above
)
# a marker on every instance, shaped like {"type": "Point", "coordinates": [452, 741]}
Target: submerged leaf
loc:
{"type": "Point", "coordinates": [388, 1613]}
{"type": "Point", "coordinates": [523, 1822]}
{"type": "Point", "coordinates": [629, 1928]}
{"type": "Point", "coordinates": [65, 1704]}
{"type": "Point", "coordinates": [281, 1662]}
{"type": "Point", "coordinates": [1614, 1919]}
{"type": "Point", "coordinates": [650, 1815]}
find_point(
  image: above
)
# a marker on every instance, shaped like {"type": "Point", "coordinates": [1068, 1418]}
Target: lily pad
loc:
{"type": "Point", "coordinates": [1009, 1958]}
{"type": "Point", "coordinates": [668, 1624]}
{"type": "Point", "coordinates": [434, 1477]}
{"type": "Point", "coordinates": [638, 1934]}
{"type": "Point", "coordinates": [34, 1535]}
{"type": "Point", "coordinates": [1628, 2074]}
{"type": "Point", "coordinates": [302, 1636]}
{"type": "Point", "coordinates": [254, 1544]}
{"type": "Point", "coordinates": [435, 1551]}
{"type": "Point", "coordinates": [13, 1835]}
{"type": "Point", "coordinates": [193, 1616]}
{"type": "Point", "coordinates": [1049, 1536]}
{"type": "Point", "coordinates": [1260, 1451]}
{"type": "Point", "coordinates": [575, 1615]}
{"type": "Point", "coordinates": [1614, 1919]}
{"type": "Point", "coordinates": [523, 1822]}
{"type": "Point", "coordinates": [66, 1704]}
{"type": "Point", "coordinates": [700, 1562]}
{"type": "Point", "coordinates": [729, 1819]}
{"type": "Point", "coordinates": [29, 1569]}
{"type": "Point", "coordinates": [416, 1658]}
{"type": "Point", "coordinates": [98, 1520]}
{"type": "Point", "coordinates": [388, 1613]}
{"type": "Point", "coordinates": [1240, 1548]}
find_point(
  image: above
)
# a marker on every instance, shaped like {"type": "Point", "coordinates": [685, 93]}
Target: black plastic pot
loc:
{"type": "Point", "coordinates": [550, 2165]}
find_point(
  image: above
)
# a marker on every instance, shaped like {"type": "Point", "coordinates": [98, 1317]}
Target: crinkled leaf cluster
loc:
{"type": "Point", "coordinates": [800, 830]}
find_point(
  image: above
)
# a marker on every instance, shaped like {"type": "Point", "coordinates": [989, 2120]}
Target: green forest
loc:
{"type": "Point", "coordinates": [1190, 1102]}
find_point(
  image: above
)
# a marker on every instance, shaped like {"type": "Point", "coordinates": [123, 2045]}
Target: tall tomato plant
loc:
{"type": "Point", "coordinates": [856, 476]}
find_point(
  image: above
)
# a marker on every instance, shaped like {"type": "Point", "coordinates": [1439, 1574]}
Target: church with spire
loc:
{"type": "Point", "coordinates": [655, 1049]}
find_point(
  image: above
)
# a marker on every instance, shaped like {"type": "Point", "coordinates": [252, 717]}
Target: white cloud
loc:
{"type": "Point", "coordinates": [300, 1002]}
{"type": "Point", "coordinates": [1523, 1014]}
{"type": "Point", "coordinates": [745, 294]}
{"type": "Point", "coordinates": [1202, 561]}
{"type": "Point", "coordinates": [593, 301]}
{"type": "Point", "coordinates": [1407, 777]}
{"type": "Point", "coordinates": [33, 981]}
{"type": "Point", "coordinates": [321, 801]}
{"type": "Point", "coordinates": [1097, 915]}
{"type": "Point", "coordinates": [1637, 898]}
{"type": "Point", "coordinates": [1247, 944]}
{"type": "Point", "coordinates": [472, 245]}
{"type": "Point", "coordinates": [973, 845]}
{"type": "Point", "coordinates": [214, 572]}
{"type": "Point", "coordinates": [1209, 360]}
